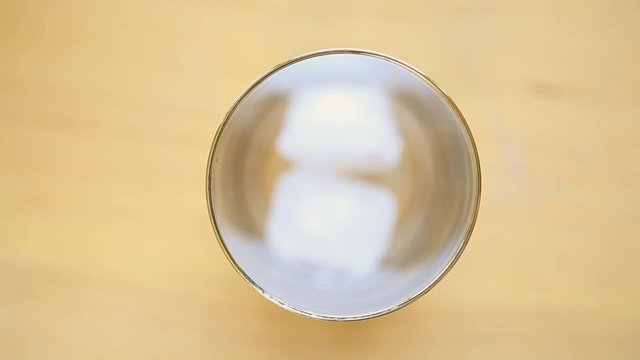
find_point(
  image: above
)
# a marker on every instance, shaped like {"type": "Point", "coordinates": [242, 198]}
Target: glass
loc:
{"type": "Point", "coordinates": [343, 184]}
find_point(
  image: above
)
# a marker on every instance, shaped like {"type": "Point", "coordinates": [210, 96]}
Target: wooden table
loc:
{"type": "Point", "coordinates": [107, 111]}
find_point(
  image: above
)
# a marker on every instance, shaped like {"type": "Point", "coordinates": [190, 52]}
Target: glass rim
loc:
{"type": "Point", "coordinates": [470, 221]}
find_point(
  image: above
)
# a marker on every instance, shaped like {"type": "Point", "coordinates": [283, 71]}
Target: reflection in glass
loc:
{"type": "Point", "coordinates": [319, 215]}
{"type": "Point", "coordinates": [331, 222]}
{"type": "Point", "coordinates": [341, 127]}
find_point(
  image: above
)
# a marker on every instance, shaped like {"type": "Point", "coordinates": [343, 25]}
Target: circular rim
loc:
{"type": "Point", "coordinates": [470, 221]}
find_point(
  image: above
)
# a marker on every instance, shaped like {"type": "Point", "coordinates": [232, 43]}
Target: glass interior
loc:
{"type": "Point", "coordinates": [343, 184]}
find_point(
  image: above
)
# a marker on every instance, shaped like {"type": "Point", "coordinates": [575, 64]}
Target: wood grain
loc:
{"type": "Point", "coordinates": [107, 111]}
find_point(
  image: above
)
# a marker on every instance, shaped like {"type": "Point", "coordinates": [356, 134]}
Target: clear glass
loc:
{"type": "Point", "coordinates": [343, 184]}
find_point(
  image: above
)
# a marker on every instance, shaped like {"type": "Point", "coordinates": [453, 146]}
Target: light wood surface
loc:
{"type": "Point", "coordinates": [107, 111]}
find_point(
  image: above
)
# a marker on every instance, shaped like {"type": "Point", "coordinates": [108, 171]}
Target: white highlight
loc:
{"type": "Point", "coordinates": [341, 127]}
{"type": "Point", "coordinates": [321, 217]}
{"type": "Point", "coordinates": [331, 222]}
